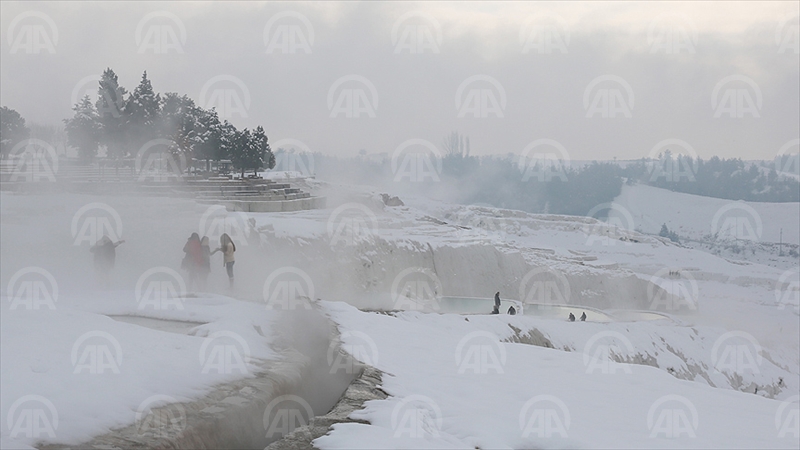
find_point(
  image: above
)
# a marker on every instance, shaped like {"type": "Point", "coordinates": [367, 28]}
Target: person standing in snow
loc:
{"type": "Point", "coordinates": [193, 260]}
{"type": "Point", "coordinates": [571, 317]}
{"type": "Point", "coordinates": [205, 267]}
{"type": "Point", "coordinates": [496, 309]}
{"type": "Point", "coordinates": [583, 317]}
{"type": "Point", "coordinates": [105, 256]}
{"type": "Point", "coordinates": [227, 247]}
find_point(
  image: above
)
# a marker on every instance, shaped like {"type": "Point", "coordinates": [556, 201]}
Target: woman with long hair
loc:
{"type": "Point", "coordinates": [227, 247]}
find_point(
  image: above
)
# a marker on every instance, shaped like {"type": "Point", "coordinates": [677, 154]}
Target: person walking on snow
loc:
{"type": "Point", "coordinates": [583, 317]}
{"type": "Point", "coordinates": [227, 247]}
{"type": "Point", "coordinates": [105, 256]}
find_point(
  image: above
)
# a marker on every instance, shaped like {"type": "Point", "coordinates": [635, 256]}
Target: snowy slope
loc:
{"type": "Point", "coordinates": [454, 383]}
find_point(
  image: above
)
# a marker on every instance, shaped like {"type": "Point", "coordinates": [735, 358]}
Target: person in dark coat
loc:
{"type": "Point", "coordinates": [496, 308]}
{"type": "Point", "coordinates": [571, 317]}
{"type": "Point", "coordinates": [583, 317]}
{"type": "Point", "coordinates": [193, 260]}
{"type": "Point", "coordinates": [105, 256]}
{"type": "Point", "coordinates": [512, 311]}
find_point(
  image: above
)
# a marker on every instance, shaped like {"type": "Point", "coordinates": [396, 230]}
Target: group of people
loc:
{"type": "Point", "coordinates": [512, 311]}
{"type": "Point", "coordinates": [496, 310]}
{"type": "Point", "coordinates": [571, 317]}
{"type": "Point", "coordinates": [197, 259]}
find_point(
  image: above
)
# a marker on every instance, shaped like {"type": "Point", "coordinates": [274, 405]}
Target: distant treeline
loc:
{"type": "Point", "coordinates": [550, 186]}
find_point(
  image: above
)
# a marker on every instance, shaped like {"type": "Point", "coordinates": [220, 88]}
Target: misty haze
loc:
{"type": "Point", "coordinates": [338, 225]}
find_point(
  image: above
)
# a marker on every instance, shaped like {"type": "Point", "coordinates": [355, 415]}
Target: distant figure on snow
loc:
{"type": "Point", "coordinates": [496, 308]}
{"type": "Point", "coordinates": [105, 256]}
{"type": "Point", "coordinates": [583, 317]}
{"type": "Point", "coordinates": [512, 311]}
{"type": "Point", "coordinates": [227, 247]}
{"type": "Point", "coordinates": [193, 260]}
{"type": "Point", "coordinates": [571, 317]}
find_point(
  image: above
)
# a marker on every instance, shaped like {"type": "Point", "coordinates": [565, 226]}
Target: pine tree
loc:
{"type": "Point", "coordinates": [141, 114]}
{"type": "Point", "coordinates": [12, 130]}
{"type": "Point", "coordinates": [83, 130]}
{"type": "Point", "coordinates": [110, 107]}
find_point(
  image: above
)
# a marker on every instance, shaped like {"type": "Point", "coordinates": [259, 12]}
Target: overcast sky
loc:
{"type": "Point", "coordinates": [601, 80]}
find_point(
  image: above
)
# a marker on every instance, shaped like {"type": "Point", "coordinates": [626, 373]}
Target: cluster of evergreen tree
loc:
{"type": "Point", "coordinates": [12, 130]}
{"type": "Point", "coordinates": [124, 123]}
{"type": "Point", "coordinates": [731, 179]}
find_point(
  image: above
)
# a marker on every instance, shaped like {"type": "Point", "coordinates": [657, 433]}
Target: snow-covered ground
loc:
{"type": "Point", "coordinates": [728, 350]}
{"type": "Point", "coordinates": [749, 231]}
{"type": "Point", "coordinates": [457, 382]}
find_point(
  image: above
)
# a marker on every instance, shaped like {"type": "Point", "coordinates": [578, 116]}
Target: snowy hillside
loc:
{"type": "Point", "coordinates": [666, 325]}
{"type": "Point", "coordinates": [747, 231]}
